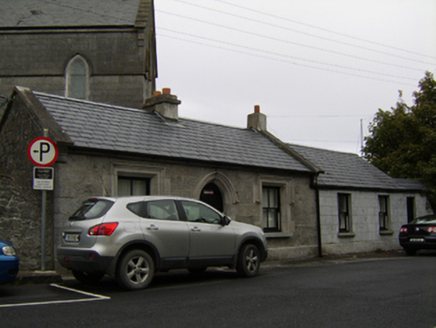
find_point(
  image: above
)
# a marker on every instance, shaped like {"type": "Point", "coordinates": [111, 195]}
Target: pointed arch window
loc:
{"type": "Point", "coordinates": [77, 78]}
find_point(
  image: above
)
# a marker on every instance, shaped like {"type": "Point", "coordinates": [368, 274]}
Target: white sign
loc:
{"type": "Point", "coordinates": [43, 178]}
{"type": "Point", "coordinates": [42, 151]}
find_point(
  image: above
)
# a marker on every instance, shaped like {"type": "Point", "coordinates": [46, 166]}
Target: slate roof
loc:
{"type": "Point", "coordinates": [56, 13]}
{"type": "Point", "coordinates": [347, 170]}
{"type": "Point", "coordinates": [107, 127]}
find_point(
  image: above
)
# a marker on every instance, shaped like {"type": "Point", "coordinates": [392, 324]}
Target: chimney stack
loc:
{"type": "Point", "coordinates": [163, 103]}
{"type": "Point", "coordinates": [256, 120]}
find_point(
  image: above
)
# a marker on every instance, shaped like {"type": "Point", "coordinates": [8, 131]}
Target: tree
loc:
{"type": "Point", "coordinates": [402, 142]}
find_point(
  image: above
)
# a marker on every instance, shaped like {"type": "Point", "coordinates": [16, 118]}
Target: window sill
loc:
{"type": "Point", "coordinates": [271, 235]}
{"type": "Point", "coordinates": [346, 235]}
{"type": "Point", "coordinates": [386, 232]}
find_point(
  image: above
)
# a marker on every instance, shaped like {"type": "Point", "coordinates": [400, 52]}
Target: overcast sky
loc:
{"type": "Point", "coordinates": [317, 68]}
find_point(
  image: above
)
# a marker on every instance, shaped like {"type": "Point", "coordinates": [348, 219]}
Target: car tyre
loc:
{"type": "Point", "coordinates": [248, 261]}
{"type": "Point", "coordinates": [88, 278]}
{"type": "Point", "coordinates": [410, 251]}
{"type": "Point", "coordinates": [135, 270]}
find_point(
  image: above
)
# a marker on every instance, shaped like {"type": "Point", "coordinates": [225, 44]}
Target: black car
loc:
{"type": "Point", "coordinates": [418, 234]}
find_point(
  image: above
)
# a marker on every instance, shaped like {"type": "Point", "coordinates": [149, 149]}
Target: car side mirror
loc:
{"type": "Point", "coordinates": [226, 220]}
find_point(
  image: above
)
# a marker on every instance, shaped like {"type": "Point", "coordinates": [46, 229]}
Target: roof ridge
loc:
{"type": "Point", "coordinates": [212, 123]}
{"type": "Point", "coordinates": [323, 149]}
{"type": "Point", "coordinates": [90, 102]}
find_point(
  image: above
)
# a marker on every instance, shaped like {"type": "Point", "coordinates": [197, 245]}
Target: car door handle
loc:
{"type": "Point", "coordinates": [195, 229]}
{"type": "Point", "coordinates": [152, 227]}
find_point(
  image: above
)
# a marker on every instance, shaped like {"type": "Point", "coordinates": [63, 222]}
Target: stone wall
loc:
{"type": "Point", "coordinates": [20, 205]}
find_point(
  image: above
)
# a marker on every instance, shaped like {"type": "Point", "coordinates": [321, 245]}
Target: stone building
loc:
{"type": "Point", "coordinates": [109, 150]}
{"type": "Point", "coordinates": [361, 208]}
{"type": "Point", "coordinates": [102, 51]}
{"type": "Point", "coordinates": [88, 68]}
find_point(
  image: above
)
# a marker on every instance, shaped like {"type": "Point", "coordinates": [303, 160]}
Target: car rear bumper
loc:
{"type": "Point", "coordinates": [419, 242]}
{"type": "Point", "coordinates": [83, 260]}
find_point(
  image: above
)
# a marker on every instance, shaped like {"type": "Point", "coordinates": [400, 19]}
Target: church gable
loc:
{"type": "Point", "coordinates": [115, 39]}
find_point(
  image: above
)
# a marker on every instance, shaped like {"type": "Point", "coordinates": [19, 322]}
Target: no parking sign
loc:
{"type": "Point", "coordinates": [42, 151]}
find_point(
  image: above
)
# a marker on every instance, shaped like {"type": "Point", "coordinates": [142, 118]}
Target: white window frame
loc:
{"type": "Point", "coordinates": [286, 197]}
{"type": "Point", "coordinates": [271, 208]}
{"type": "Point", "coordinates": [132, 180]}
{"type": "Point", "coordinates": [155, 174]}
{"type": "Point", "coordinates": [348, 219]}
{"type": "Point", "coordinates": [384, 215]}
{"type": "Point", "coordinates": [68, 76]}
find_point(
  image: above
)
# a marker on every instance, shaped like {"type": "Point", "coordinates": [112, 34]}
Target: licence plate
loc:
{"type": "Point", "coordinates": [72, 237]}
{"type": "Point", "coordinates": [416, 240]}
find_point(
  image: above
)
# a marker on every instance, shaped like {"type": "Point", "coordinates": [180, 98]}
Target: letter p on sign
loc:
{"type": "Point", "coordinates": [42, 151]}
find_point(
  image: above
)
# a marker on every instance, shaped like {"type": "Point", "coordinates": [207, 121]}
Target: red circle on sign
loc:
{"type": "Point", "coordinates": [51, 160]}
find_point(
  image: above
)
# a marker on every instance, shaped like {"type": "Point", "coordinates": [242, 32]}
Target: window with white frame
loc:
{"type": "Point", "coordinates": [133, 186]}
{"type": "Point", "coordinates": [77, 74]}
{"type": "Point", "coordinates": [383, 214]}
{"type": "Point", "coordinates": [271, 209]}
{"type": "Point", "coordinates": [344, 203]}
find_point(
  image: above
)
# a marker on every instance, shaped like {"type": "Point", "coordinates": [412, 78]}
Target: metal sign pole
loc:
{"type": "Point", "coordinates": [43, 219]}
{"type": "Point", "coordinates": [43, 152]}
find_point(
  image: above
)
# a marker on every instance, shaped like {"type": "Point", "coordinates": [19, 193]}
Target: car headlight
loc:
{"type": "Point", "coordinates": [9, 251]}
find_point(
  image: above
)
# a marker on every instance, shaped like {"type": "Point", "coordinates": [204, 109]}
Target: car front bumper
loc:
{"type": "Point", "coordinates": [9, 269]}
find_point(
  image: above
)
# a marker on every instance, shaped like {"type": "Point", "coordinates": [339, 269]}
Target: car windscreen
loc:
{"type": "Point", "coordinates": [425, 219]}
{"type": "Point", "coordinates": [92, 209]}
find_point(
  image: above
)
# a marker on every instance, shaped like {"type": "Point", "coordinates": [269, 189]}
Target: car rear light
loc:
{"type": "Point", "coordinates": [431, 229]}
{"type": "Point", "coordinates": [104, 229]}
{"type": "Point", "coordinates": [403, 229]}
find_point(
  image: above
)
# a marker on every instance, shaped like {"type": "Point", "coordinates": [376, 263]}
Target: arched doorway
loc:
{"type": "Point", "coordinates": [212, 195]}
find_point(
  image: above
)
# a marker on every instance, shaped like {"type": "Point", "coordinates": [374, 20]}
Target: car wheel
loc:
{"type": "Point", "coordinates": [88, 278]}
{"type": "Point", "coordinates": [248, 261]}
{"type": "Point", "coordinates": [410, 251]}
{"type": "Point", "coordinates": [135, 270]}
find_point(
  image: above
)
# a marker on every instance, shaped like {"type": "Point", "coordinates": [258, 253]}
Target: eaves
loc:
{"type": "Point", "coordinates": [75, 150]}
{"type": "Point", "coordinates": [367, 189]}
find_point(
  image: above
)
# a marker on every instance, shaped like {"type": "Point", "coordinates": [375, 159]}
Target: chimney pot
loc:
{"type": "Point", "coordinates": [256, 120]}
{"type": "Point", "coordinates": [163, 103]}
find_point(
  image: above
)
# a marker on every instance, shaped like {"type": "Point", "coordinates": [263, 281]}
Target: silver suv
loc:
{"type": "Point", "coordinates": [134, 237]}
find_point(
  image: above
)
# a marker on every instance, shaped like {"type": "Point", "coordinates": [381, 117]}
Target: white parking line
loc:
{"type": "Point", "coordinates": [94, 297]}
